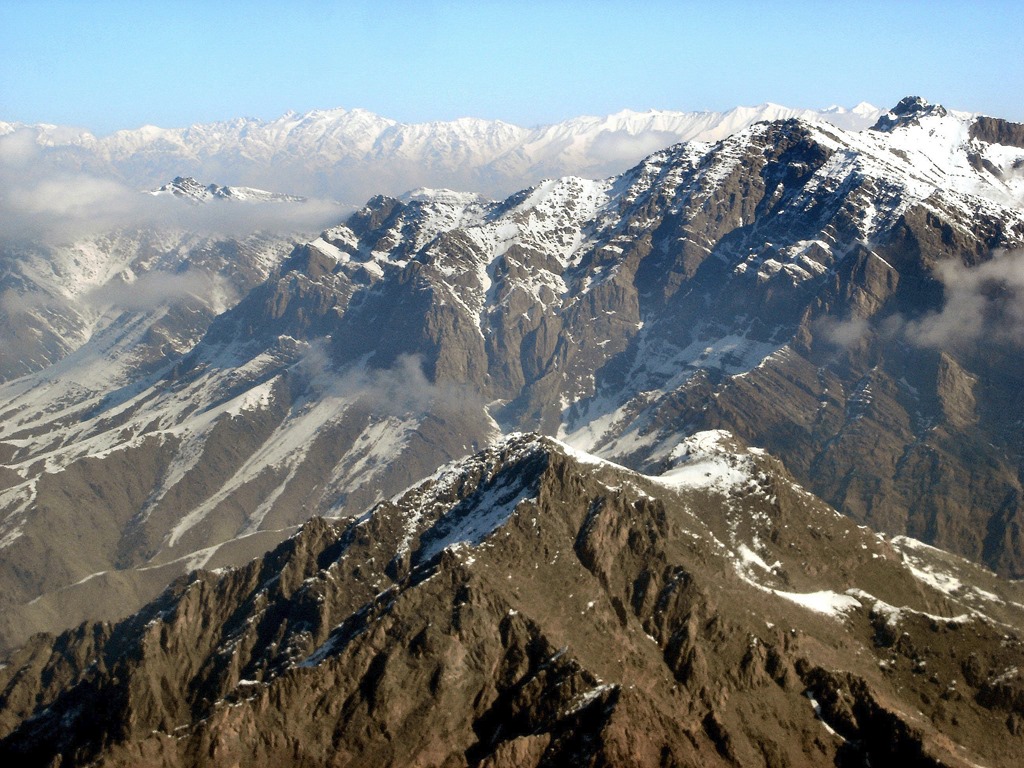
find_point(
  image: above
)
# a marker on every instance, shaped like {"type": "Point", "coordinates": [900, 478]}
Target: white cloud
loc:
{"type": "Point", "coordinates": [40, 204]}
{"type": "Point", "coordinates": [620, 149]}
{"type": "Point", "coordinates": [13, 303]}
{"type": "Point", "coordinates": [845, 333]}
{"type": "Point", "coordinates": [18, 148]}
{"type": "Point", "coordinates": [982, 304]}
{"type": "Point", "coordinates": [399, 390]}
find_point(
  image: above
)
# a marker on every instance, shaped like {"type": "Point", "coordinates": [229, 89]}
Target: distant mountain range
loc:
{"type": "Point", "coordinates": [350, 155]}
{"type": "Point", "coordinates": [189, 189]}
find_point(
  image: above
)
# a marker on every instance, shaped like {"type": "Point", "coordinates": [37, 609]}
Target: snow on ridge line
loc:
{"type": "Point", "coordinates": [706, 453]}
{"type": "Point", "coordinates": [705, 444]}
{"type": "Point", "coordinates": [471, 528]}
{"type": "Point", "coordinates": [894, 614]}
{"type": "Point", "coordinates": [457, 466]}
{"type": "Point", "coordinates": [706, 460]}
{"type": "Point", "coordinates": [823, 601]}
{"type": "Point", "coordinates": [497, 505]}
{"type": "Point", "coordinates": [936, 574]}
{"type": "Point", "coordinates": [426, 492]}
{"type": "Point", "coordinates": [494, 507]}
{"type": "Point", "coordinates": [522, 444]}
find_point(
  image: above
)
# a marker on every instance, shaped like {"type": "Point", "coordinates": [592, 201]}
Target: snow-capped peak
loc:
{"type": "Point", "coordinates": [194, 191]}
{"type": "Point", "coordinates": [909, 111]}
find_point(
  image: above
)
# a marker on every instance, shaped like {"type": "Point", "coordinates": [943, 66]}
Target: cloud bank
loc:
{"type": "Point", "coordinates": [44, 204]}
{"type": "Point", "coordinates": [983, 304]}
{"type": "Point", "coordinates": [157, 289]}
{"type": "Point", "coordinates": [398, 390]}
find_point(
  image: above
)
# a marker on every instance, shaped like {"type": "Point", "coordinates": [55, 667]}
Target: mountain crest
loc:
{"type": "Point", "coordinates": [194, 191]}
{"type": "Point", "coordinates": [909, 111]}
{"type": "Point", "coordinates": [308, 152]}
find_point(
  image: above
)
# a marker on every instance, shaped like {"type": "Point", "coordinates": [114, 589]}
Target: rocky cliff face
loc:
{"type": "Point", "coordinates": [533, 605]}
{"type": "Point", "coordinates": [844, 300]}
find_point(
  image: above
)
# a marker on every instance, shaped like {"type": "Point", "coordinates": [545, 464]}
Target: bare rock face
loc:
{"type": "Point", "coordinates": [535, 606]}
{"type": "Point", "coordinates": [996, 131]}
{"type": "Point", "coordinates": [955, 390]}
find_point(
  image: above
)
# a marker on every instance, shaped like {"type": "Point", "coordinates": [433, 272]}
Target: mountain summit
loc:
{"type": "Point", "coordinates": [908, 112]}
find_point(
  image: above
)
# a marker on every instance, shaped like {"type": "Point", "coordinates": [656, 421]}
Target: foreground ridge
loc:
{"type": "Point", "coordinates": [534, 605]}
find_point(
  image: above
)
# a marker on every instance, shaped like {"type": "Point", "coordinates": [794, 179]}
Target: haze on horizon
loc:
{"type": "Point", "coordinates": [109, 65]}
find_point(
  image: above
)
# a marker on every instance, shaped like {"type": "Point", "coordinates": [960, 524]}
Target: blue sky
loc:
{"type": "Point", "coordinates": [109, 65]}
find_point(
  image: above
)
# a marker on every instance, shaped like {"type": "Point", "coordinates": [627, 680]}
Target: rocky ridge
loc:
{"type": "Point", "coordinates": [533, 605]}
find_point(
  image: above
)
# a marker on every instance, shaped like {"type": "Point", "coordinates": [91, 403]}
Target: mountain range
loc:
{"type": "Point", "coordinates": [724, 344]}
{"type": "Point", "coordinates": [349, 155]}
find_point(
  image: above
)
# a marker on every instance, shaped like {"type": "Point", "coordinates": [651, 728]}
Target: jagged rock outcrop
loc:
{"type": "Point", "coordinates": [993, 130]}
{"type": "Point", "coordinates": [537, 606]}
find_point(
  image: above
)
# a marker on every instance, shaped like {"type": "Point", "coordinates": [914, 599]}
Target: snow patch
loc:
{"type": "Point", "coordinates": [704, 461]}
{"type": "Point", "coordinates": [824, 601]}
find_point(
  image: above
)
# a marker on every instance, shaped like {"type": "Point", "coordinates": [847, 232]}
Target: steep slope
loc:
{"type": "Point", "coordinates": [533, 605]}
{"type": "Point", "coordinates": [795, 284]}
{"type": "Point", "coordinates": [55, 299]}
{"type": "Point", "coordinates": [152, 475]}
{"type": "Point", "coordinates": [892, 385]}
{"type": "Point", "coordinates": [352, 154]}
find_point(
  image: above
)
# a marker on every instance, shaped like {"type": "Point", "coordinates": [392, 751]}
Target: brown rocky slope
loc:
{"type": "Point", "coordinates": [533, 605]}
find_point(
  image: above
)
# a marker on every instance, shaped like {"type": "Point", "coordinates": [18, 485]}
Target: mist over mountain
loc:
{"type": "Point", "coordinates": [778, 376]}
{"type": "Point", "coordinates": [80, 254]}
